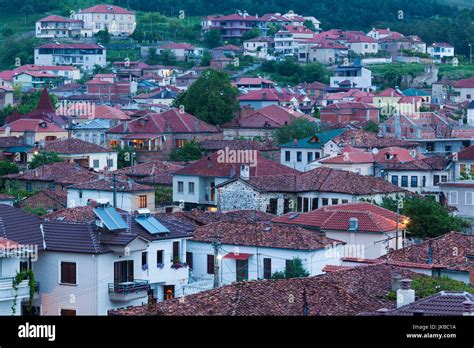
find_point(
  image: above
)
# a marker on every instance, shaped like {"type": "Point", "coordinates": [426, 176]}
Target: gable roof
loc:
{"type": "Point", "coordinates": [346, 292]}
{"type": "Point", "coordinates": [106, 9]}
{"type": "Point", "coordinates": [441, 249]}
{"type": "Point", "coordinates": [34, 125]}
{"type": "Point", "coordinates": [371, 218]}
{"type": "Point", "coordinates": [322, 180]}
{"type": "Point", "coordinates": [49, 172]}
{"type": "Point", "coordinates": [315, 141]}
{"type": "Point", "coordinates": [213, 166]}
{"type": "Point", "coordinates": [152, 172]}
{"type": "Point", "coordinates": [170, 121]}
{"type": "Point", "coordinates": [467, 153]}
{"type": "Point", "coordinates": [262, 235]}
{"type": "Point", "coordinates": [106, 184]}
{"type": "Point", "coordinates": [73, 146]}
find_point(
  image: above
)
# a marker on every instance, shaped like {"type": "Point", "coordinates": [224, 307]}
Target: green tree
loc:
{"type": "Point", "coordinates": [309, 24]}
{"type": "Point", "coordinates": [427, 218]}
{"type": "Point", "coordinates": [138, 35]}
{"type": "Point", "coordinates": [7, 31]}
{"type": "Point", "coordinates": [371, 126]}
{"type": "Point", "coordinates": [206, 58]}
{"type": "Point", "coordinates": [163, 195]}
{"type": "Point", "coordinates": [251, 34]}
{"type": "Point", "coordinates": [39, 211]}
{"type": "Point", "coordinates": [294, 269]}
{"type": "Point", "coordinates": [29, 102]}
{"type": "Point", "coordinates": [43, 158]}
{"type": "Point", "coordinates": [153, 57]}
{"type": "Point", "coordinates": [103, 36]}
{"type": "Point", "coordinates": [211, 98]}
{"type": "Point", "coordinates": [7, 167]}
{"type": "Point", "coordinates": [167, 57]}
{"type": "Point", "coordinates": [190, 151]}
{"type": "Point", "coordinates": [124, 157]}
{"type": "Point", "coordinates": [299, 128]}
{"type": "Point", "coordinates": [212, 38]}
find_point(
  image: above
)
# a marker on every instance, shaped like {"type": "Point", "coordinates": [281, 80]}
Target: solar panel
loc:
{"type": "Point", "coordinates": [151, 224]}
{"type": "Point", "coordinates": [110, 218]}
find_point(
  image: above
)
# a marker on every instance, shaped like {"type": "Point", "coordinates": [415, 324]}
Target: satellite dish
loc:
{"type": "Point", "coordinates": [375, 151]}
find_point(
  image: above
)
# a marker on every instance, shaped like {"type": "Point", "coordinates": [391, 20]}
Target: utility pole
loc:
{"type": "Point", "coordinates": [399, 205]}
{"type": "Point", "coordinates": [115, 189]}
{"type": "Point", "coordinates": [216, 244]}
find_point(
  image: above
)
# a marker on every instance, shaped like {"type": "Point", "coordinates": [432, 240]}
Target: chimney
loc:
{"type": "Point", "coordinates": [396, 280]}
{"type": "Point", "coordinates": [468, 307]}
{"type": "Point", "coordinates": [405, 295]}
{"type": "Point", "coordinates": [232, 171]}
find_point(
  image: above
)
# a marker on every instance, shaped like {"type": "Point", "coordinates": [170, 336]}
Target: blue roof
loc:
{"type": "Point", "coordinates": [111, 218]}
{"type": "Point", "coordinates": [151, 224]}
{"type": "Point", "coordinates": [94, 124]}
{"type": "Point", "coordinates": [315, 141]}
{"type": "Point", "coordinates": [413, 92]}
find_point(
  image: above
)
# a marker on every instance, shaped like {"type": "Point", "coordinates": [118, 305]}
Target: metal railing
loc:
{"type": "Point", "coordinates": [127, 287]}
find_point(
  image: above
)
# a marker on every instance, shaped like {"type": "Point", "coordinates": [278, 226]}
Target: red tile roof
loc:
{"type": "Point", "coordinates": [54, 18]}
{"type": "Point", "coordinates": [467, 153]}
{"type": "Point", "coordinates": [107, 112]}
{"type": "Point", "coordinates": [171, 121]}
{"type": "Point", "coordinates": [263, 235]}
{"type": "Point", "coordinates": [177, 45]}
{"type": "Point", "coordinates": [106, 9]}
{"type": "Point", "coordinates": [272, 116]}
{"type": "Point", "coordinates": [106, 184]}
{"type": "Point", "coordinates": [371, 218]}
{"type": "Point", "coordinates": [152, 172]}
{"type": "Point", "coordinates": [389, 92]}
{"type": "Point", "coordinates": [347, 292]}
{"type": "Point", "coordinates": [49, 172]}
{"type": "Point", "coordinates": [212, 166]}
{"type": "Point", "coordinates": [442, 251]}
{"type": "Point", "coordinates": [466, 83]}
{"type": "Point", "coordinates": [34, 125]}
{"type": "Point", "coordinates": [73, 146]}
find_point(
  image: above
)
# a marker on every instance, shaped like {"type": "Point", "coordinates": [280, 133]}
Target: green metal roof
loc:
{"type": "Point", "coordinates": [413, 92]}
{"type": "Point", "coordinates": [19, 149]}
{"type": "Point", "coordinates": [322, 137]}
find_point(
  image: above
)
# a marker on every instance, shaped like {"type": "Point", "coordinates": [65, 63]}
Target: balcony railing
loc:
{"type": "Point", "coordinates": [128, 287]}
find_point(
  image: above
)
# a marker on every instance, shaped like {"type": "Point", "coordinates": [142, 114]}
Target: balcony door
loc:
{"type": "Point", "coordinates": [123, 271]}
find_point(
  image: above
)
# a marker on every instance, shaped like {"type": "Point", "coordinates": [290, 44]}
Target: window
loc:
{"type": "Point", "coordinates": [242, 270]}
{"type": "Point", "coordinates": [286, 205]}
{"type": "Point", "coordinates": [144, 260]}
{"type": "Point", "coordinates": [299, 156]}
{"type": "Point", "coordinates": [314, 203]}
{"type": "Point", "coordinates": [395, 180]}
{"type": "Point", "coordinates": [123, 271]}
{"type": "Point", "coordinates": [435, 180]}
{"type": "Point", "coordinates": [189, 259]}
{"type": "Point", "coordinates": [299, 203]}
{"type": "Point", "coordinates": [68, 312]}
{"type": "Point", "coordinates": [142, 201]}
{"type": "Point", "coordinates": [110, 163]}
{"type": "Point", "coordinates": [310, 157]}
{"type": "Point", "coordinates": [325, 201]}
{"type": "Point", "coordinates": [404, 180]}
{"type": "Point", "coordinates": [180, 187]}
{"type": "Point", "coordinates": [468, 96]}
{"type": "Point", "coordinates": [95, 163]}
{"type": "Point", "coordinates": [29, 187]}
{"type": "Point", "coordinates": [68, 273]}
{"type": "Point", "coordinates": [191, 188]}
{"type": "Point", "coordinates": [444, 178]}
{"type": "Point", "coordinates": [176, 257]}
{"type": "Point", "coordinates": [25, 266]}
{"type": "Point", "coordinates": [210, 264]}
{"type": "Point", "coordinates": [272, 207]}
{"type": "Point", "coordinates": [334, 201]}
{"type": "Point", "coordinates": [453, 197]}
{"type": "Point", "coordinates": [267, 268]}
{"type": "Point", "coordinates": [414, 181]}
{"type": "Point", "coordinates": [159, 258]}
{"type": "Point", "coordinates": [287, 156]}
{"type": "Point", "coordinates": [344, 201]}
{"type": "Point", "coordinates": [448, 148]}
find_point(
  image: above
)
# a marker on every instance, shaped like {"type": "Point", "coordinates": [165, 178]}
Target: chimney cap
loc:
{"type": "Point", "coordinates": [406, 284]}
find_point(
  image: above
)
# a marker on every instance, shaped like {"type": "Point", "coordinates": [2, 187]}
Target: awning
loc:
{"type": "Point", "coordinates": [237, 256]}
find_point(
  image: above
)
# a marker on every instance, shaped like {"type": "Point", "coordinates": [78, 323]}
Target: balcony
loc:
{"type": "Point", "coordinates": [127, 291]}
{"type": "Point", "coordinates": [7, 292]}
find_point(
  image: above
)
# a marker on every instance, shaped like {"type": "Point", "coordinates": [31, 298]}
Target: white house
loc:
{"type": "Point", "coordinates": [369, 231]}
{"type": "Point", "coordinates": [362, 45]}
{"type": "Point", "coordinates": [82, 55]}
{"type": "Point", "coordinates": [440, 50]}
{"type": "Point", "coordinates": [288, 38]}
{"type": "Point", "coordinates": [104, 260]}
{"type": "Point", "coordinates": [258, 47]}
{"type": "Point", "coordinates": [354, 76]}
{"type": "Point", "coordinates": [249, 251]}
{"type": "Point", "coordinates": [14, 258]}
{"type": "Point", "coordinates": [86, 154]}
{"type": "Point", "coordinates": [129, 195]}
{"type": "Point", "coordinates": [116, 20]}
{"type": "Point", "coordinates": [58, 27]}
